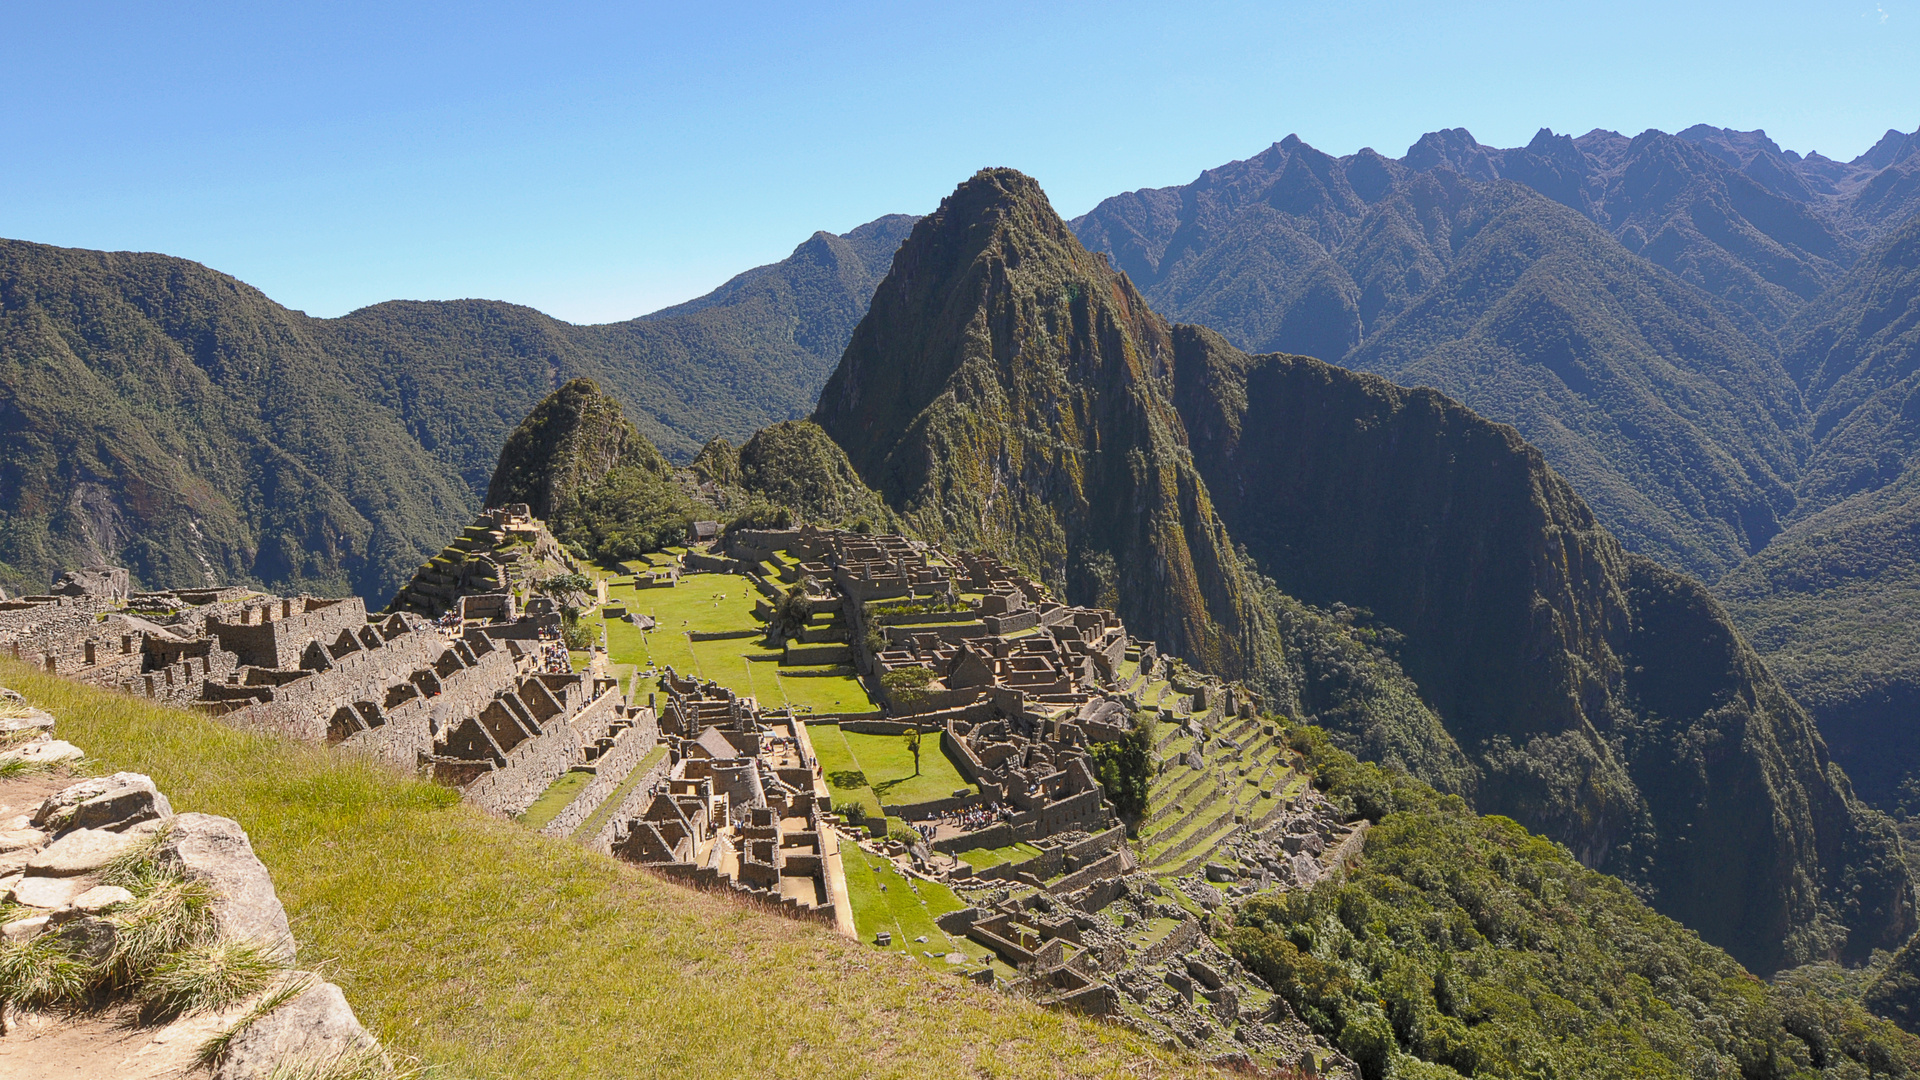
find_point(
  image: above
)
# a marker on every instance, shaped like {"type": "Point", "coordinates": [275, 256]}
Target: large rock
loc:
{"type": "Point", "coordinates": [33, 718]}
{"type": "Point", "coordinates": [101, 898]}
{"type": "Point", "coordinates": [22, 840]}
{"type": "Point", "coordinates": [101, 582]}
{"type": "Point", "coordinates": [128, 804]}
{"type": "Point", "coordinates": [56, 813]}
{"type": "Point", "coordinates": [87, 937]}
{"type": "Point", "coordinates": [44, 751]}
{"type": "Point", "coordinates": [215, 850]}
{"type": "Point", "coordinates": [318, 1026]}
{"type": "Point", "coordinates": [81, 851]}
{"type": "Point", "coordinates": [45, 892]}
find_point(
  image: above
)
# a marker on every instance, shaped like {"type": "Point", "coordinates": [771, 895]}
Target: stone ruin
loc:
{"type": "Point", "coordinates": [483, 696]}
{"type": "Point", "coordinates": [741, 806]}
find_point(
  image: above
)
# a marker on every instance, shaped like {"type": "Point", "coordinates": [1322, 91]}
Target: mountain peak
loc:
{"type": "Point", "coordinates": [1006, 392]}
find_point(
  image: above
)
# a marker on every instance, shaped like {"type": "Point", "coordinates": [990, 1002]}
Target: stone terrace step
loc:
{"type": "Point", "coordinates": [1195, 820]}
{"type": "Point", "coordinates": [1185, 796]}
{"type": "Point", "coordinates": [1205, 849]}
{"type": "Point", "coordinates": [1204, 839]}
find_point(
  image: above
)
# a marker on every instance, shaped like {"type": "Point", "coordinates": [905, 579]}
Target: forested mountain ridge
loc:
{"type": "Point", "coordinates": [1833, 600]}
{"type": "Point", "coordinates": [1704, 333]}
{"type": "Point", "coordinates": [163, 416]}
{"type": "Point", "coordinates": [1005, 390]}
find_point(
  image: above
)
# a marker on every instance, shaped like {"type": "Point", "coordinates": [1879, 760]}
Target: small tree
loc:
{"type": "Point", "coordinates": [1124, 767]}
{"type": "Point", "coordinates": [913, 746]}
{"type": "Point", "coordinates": [907, 688]}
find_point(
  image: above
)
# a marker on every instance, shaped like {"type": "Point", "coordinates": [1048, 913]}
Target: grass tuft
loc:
{"type": "Point", "coordinates": [165, 916]}
{"type": "Point", "coordinates": [41, 972]}
{"type": "Point", "coordinates": [136, 868]}
{"type": "Point", "coordinates": [205, 977]}
{"type": "Point", "coordinates": [14, 768]}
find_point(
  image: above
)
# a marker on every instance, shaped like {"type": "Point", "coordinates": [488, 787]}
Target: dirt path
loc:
{"type": "Point", "coordinates": [104, 1046]}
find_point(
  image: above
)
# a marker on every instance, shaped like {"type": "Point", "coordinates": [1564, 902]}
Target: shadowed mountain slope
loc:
{"type": "Point", "coordinates": [1007, 390]}
{"type": "Point", "coordinates": [1606, 700]}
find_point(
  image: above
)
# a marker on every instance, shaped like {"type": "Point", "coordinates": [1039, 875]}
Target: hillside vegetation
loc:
{"type": "Point", "coordinates": [162, 416]}
{"type": "Point", "coordinates": [1464, 946]}
{"type": "Point", "coordinates": [481, 948]}
{"type": "Point", "coordinates": [1008, 391]}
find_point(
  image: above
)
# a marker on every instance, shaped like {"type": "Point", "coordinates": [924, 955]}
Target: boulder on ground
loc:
{"type": "Point", "coordinates": [87, 937]}
{"type": "Point", "coordinates": [21, 930]}
{"type": "Point", "coordinates": [215, 850]}
{"type": "Point", "coordinates": [23, 839]}
{"type": "Point", "coordinates": [101, 898]}
{"type": "Point", "coordinates": [315, 1028]}
{"type": "Point", "coordinates": [44, 751]}
{"type": "Point", "coordinates": [81, 851]}
{"type": "Point", "coordinates": [46, 892]}
{"type": "Point", "coordinates": [29, 717]}
{"type": "Point", "coordinates": [56, 812]}
{"type": "Point", "coordinates": [128, 804]}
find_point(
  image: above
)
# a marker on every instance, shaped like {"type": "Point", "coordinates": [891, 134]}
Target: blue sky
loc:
{"type": "Point", "coordinates": [601, 161]}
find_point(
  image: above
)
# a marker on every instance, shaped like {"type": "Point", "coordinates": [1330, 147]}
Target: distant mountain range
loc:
{"type": "Point", "coordinates": [1701, 331]}
{"type": "Point", "coordinates": [1707, 335]}
{"type": "Point", "coordinates": [163, 416]}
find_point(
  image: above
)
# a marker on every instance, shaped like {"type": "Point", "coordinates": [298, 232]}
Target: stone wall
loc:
{"type": "Point", "coordinates": [610, 771]}
{"type": "Point", "coordinates": [633, 805]}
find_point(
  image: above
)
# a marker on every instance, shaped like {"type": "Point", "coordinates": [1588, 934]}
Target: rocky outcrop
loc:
{"type": "Point", "coordinates": [215, 850]}
{"type": "Point", "coordinates": [64, 862]}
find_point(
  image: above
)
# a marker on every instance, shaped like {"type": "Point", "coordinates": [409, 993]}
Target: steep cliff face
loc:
{"type": "Point", "coordinates": [1008, 390]}
{"type": "Point", "coordinates": [1606, 701]}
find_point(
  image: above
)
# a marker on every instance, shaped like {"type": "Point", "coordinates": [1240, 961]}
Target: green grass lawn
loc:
{"type": "Point", "coordinates": [906, 908]}
{"type": "Point", "coordinates": [981, 858]}
{"type": "Point", "coordinates": [844, 779]}
{"type": "Point", "coordinates": [823, 694]}
{"type": "Point", "coordinates": [888, 765]}
{"type": "Point", "coordinates": [556, 798]}
{"type": "Point", "coordinates": [718, 603]}
{"type": "Point", "coordinates": [487, 950]}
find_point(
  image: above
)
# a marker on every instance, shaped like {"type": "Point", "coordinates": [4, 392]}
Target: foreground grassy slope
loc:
{"type": "Point", "coordinates": [475, 945]}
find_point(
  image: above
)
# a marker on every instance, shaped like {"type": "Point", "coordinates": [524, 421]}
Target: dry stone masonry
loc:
{"type": "Point", "coordinates": [480, 694]}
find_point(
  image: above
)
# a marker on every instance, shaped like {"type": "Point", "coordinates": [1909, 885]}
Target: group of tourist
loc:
{"type": "Point", "coordinates": [554, 658]}
{"type": "Point", "coordinates": [968, 819]}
